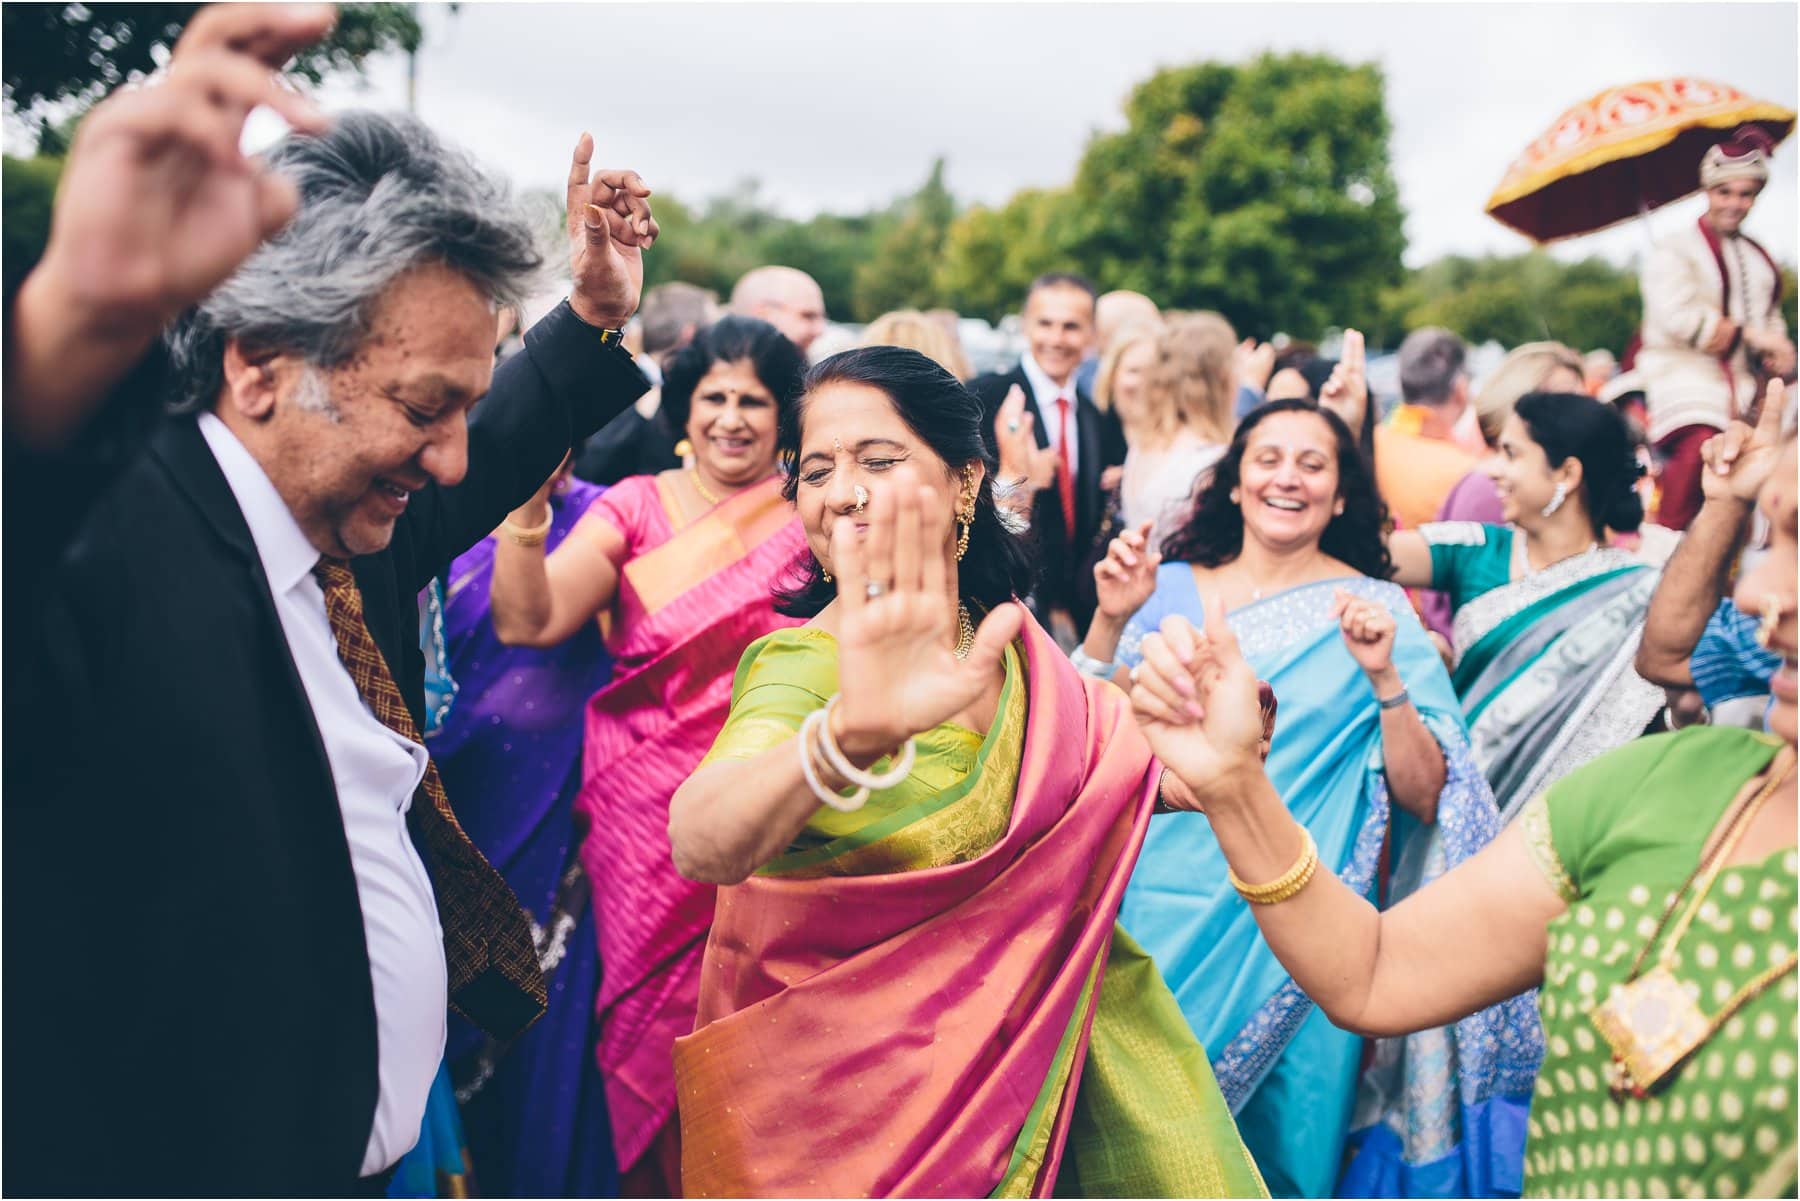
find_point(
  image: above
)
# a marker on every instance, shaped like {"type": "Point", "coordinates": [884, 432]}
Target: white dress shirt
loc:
{"type": "Point", "coordinates": [376, 772]}
{"type": "Point", "coordinates": [1044, 392]}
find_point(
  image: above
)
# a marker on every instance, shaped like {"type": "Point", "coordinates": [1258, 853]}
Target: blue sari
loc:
{"type": "Point", "coordinates": [1438, 1114]}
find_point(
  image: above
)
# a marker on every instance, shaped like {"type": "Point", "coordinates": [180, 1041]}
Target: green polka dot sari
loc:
{"type": "Point", "coordinates": [1617, 838]}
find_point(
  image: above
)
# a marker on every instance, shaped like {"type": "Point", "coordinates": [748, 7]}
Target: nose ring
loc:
{"type": "Point", "coordinates": [862, 498]}
{"type": "Point", "coordinates": [1771, 618]}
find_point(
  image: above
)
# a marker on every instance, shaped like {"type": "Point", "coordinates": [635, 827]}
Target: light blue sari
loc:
{"type": "Point", "coordinates": [1440, 1113]}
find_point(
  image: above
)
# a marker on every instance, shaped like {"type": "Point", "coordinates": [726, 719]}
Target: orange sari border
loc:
{"type": "Point", "coordinates": [694, 554]}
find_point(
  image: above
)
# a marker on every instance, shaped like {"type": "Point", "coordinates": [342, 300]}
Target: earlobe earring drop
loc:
{"type": "Point", "coordinates": [964, 524]}
{"type": "Point", "coordinates": [1556, 499]}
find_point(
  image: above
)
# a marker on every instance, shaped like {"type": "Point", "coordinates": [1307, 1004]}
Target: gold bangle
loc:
{"type": "Point", "coordinates": [535, 536]}
{"type": "Point", "coordinates": [1286, 884]}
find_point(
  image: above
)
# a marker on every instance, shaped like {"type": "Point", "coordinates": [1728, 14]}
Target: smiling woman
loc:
{"type": "Point", "coordinates": [1370, 753]}
{"type": "Point", "coordinates": [680, 567]}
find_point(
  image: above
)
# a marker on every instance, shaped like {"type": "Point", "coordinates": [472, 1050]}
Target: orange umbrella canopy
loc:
{"type": "Point", "coordinates": [1624, 151]}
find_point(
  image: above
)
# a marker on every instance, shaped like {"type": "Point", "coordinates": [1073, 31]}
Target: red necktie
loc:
{"type": "Point", "coordinates": [1065, 475]}
{"type": "Point", "coordinates": [494, 976]}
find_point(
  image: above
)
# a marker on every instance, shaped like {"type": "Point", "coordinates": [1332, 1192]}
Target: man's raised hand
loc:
{"type": "Point", "coordinates": [610, 226]}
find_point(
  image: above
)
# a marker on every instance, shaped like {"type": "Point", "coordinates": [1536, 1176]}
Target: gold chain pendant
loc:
{"type": "Point", "coordinates": [1652, 1025]}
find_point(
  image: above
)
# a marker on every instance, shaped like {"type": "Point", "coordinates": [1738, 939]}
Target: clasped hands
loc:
{"type": "Point", "coordinates": [1206, 715]}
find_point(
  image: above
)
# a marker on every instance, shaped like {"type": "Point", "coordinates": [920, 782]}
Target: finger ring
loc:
{"type": "Point", "coordinates": [873, 589]}
{"type": "Point", "coordinates": [1012, 427]}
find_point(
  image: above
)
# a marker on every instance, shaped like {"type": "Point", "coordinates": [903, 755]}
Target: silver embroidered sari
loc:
{"type": "Point", "coordinates": [1544, 670]}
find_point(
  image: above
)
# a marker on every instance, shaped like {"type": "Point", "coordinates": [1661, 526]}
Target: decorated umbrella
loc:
{"type": "Point", "coordinates": [1624, 152]}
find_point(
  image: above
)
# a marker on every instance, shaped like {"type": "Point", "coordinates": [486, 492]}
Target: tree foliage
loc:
{"type": "Point", "coordinates": [1520, 298]}
{"type": "Point", "coordinates": [1262, 190]}
{"type": "Point", "coordinates": [76, 53]}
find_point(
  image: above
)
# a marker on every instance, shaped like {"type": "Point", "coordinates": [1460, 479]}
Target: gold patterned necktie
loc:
{"type": "Point", "coordinates": [494, 979]}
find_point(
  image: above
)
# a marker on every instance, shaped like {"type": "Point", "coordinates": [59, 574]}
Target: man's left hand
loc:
{"type": "Point", "coordinates": [609, 226]}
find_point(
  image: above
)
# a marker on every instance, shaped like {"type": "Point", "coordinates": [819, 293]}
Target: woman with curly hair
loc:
{"type": "Point", "coordinates": [1288, 537]}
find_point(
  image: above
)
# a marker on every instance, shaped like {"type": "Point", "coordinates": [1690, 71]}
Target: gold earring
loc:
{"type": "Point", "coordinates": [965, 522]}
{"type": "Point", "coordinates": [826, 574]}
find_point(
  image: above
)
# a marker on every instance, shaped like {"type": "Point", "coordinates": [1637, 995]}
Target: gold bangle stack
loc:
{"type": "Point", "coordinates": [1288, 883]}
{"type": "Point", "coordinates": [534, 536]}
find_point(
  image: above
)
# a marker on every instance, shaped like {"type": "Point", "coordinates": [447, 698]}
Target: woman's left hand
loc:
{"type": "Point", "coordinates": [1368, 630]}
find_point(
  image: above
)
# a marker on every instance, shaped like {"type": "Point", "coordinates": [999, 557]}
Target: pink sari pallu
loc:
{"type": "Point", "coordinates": [687, 609]}
{"type": "Point", "coordinates": [895, 1034]}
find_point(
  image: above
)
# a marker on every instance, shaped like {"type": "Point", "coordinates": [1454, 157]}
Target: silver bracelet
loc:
{"type": "Point", "coordinates": [1395, 701]}
{"type": "Point", "coordinates": [897, 772]}
{"type": "Point", "coordinates": [1091, 667]}
{"type": "Point", "coordinates": [849, 804]}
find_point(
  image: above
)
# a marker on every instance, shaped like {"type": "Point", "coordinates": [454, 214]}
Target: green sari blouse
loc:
{"type": "Point", "coordinates": [1616, 839]}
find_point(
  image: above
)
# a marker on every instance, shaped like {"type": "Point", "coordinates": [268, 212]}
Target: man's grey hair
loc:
{"type": "Point", "coordinates": [671, 310]}
{"type": "Point", "coordinates": [379, 196]}
{"type": "Point", "coordinates": [1431, 359]}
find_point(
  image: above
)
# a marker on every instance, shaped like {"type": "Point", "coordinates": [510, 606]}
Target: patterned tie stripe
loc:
{"type": "Point", "coordinates": [494, 978]}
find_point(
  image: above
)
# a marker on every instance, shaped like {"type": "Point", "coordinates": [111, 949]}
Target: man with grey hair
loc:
{"type": "Point", "coordinates": [639, 440]}
{"type": "Point", "coordinates": [229, 621]}
{"type": "Point", "coordinates": [785, 297]}
{"type": "Point", "coordinates": [1419, 455]}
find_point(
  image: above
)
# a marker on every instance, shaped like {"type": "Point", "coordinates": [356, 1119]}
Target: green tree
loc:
{"type": "Point", "coordinates": [1520, 298]}
{"type": "Point", "coordinates": [898, 272]}
{"type": "Point", "coordinates": [990, 255]}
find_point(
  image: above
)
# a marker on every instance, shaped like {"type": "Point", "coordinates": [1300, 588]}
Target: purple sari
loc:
{"type": "Point", "coordinates": [510, 756]}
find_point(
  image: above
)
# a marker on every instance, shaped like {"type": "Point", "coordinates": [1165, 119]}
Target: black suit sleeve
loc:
{"type": "Point", "coordinates": [561, 388]}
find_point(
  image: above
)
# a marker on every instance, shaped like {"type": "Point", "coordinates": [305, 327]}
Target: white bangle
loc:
{"type": "Point", "coordinates": [840, 763]}
{"type": "Point", "coordinates": [849, 804]}
{"type": "Point", "coordinates": [1094, 669]}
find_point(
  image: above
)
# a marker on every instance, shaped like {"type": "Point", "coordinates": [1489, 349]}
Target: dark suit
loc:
{"type": "Point", "coordinates": [1099, 444]}
{"type": "Point", "coordinates": [189, 1006]}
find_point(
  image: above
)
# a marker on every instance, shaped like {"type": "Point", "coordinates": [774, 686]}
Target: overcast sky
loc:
{"type": "Point", "coordinates": [840, 106]}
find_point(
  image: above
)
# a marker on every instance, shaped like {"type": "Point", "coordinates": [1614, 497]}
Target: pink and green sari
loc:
{"type": "Point", "coordinates": [931, 996]}
{"type": "Point", "coordinates": [691, 597]}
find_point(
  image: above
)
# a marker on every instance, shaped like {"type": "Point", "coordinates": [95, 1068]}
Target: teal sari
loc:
{"type": "Point", "coordinates": [1440, 1113]}
{"type": "Point", "coordinates": [1544, 663]}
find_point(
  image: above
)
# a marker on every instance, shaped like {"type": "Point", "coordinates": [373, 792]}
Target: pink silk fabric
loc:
{"type": "Point", "coordinates": [888, 1035]}
{"type": "Point", "coordinates": [675, 656]}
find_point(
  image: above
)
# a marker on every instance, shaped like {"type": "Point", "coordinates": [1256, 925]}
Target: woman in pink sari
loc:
{"type": "Point", "coordinates": [680, 568]}
{"type": "Point", "coordinates": [919, 987]}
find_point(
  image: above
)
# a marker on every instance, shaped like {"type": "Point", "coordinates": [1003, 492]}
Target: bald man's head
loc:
{"type": "Point", "coordinates": [786, 298]}
{"type": "Point", "coordinates": [1116, 312]}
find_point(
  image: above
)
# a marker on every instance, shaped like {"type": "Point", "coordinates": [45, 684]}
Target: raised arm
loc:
{"type": "Point", "coordinates": [1737, 462]}
{"type": "Point", "coordinates": [1414, 762]}
{"type": "Point", "coordinates": [157, 206]}
{"type": "Point", "coordinates": [565, 385]}
{"type": "Point", "coordinates": [542, 600]}
{"type": "Point", "coordinates": [1471, 938]}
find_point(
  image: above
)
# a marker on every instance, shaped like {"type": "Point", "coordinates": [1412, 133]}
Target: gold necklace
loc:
{"type": "Point", "coordinates": [705, 492]}
{"type": "Point", "coordinates": [965, 632]}
{"type": "Point", "coordinates": [1650, 1021]}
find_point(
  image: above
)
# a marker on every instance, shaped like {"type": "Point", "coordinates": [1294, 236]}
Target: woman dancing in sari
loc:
{"type": "Point", "coordinates": [1650, 893]}
{"type": "Point", "coordinates": [1547, 615]}
{"type": "Point", "coordinates": [923, 991]}
{"type": "Point", "coordinates": [681, 565]}
{"type": "Point", "coordinates": [1371, 753]}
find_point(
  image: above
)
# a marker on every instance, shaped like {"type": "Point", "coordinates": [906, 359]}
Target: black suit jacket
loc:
{"type": "Point", "coordinates": [189, 1008]}
{"type": "Point", "coordinates": [1100, 443]}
